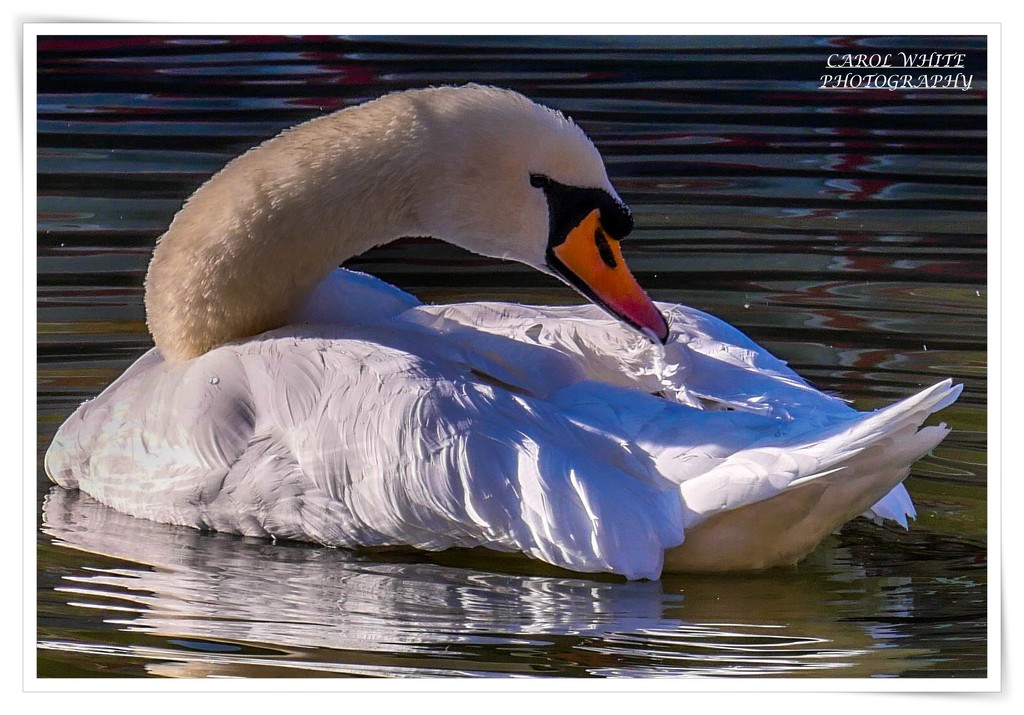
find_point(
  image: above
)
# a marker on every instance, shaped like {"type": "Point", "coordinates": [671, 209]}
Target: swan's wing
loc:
{"type": "Point", "coordinates": [759, 491]}
{"type": "Point", "coordinates": [378, 438]}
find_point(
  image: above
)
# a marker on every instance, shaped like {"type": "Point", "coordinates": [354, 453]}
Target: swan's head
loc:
{"type": "Point", "coordinates": [514, 180]}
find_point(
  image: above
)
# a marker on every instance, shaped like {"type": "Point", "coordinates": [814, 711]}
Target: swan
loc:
{"type": "Point", "coordinates": [291, 399]}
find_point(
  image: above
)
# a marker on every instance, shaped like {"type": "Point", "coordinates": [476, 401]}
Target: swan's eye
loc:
{"type": "Point", "coordinates": [539, 181]}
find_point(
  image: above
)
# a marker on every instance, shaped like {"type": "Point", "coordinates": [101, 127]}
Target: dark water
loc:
{"type": "Point", "coordinates": [843, 230]}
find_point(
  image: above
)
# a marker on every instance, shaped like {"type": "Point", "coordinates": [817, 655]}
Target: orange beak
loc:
{"type": "Point", "coordinates": [591, 261]}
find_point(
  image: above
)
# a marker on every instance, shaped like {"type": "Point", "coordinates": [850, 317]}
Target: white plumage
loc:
{"type": "Point", "coordinates": [370, 419]}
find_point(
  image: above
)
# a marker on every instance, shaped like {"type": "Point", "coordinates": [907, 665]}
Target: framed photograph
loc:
{"type": "Point", "coordinates": [591, 355]}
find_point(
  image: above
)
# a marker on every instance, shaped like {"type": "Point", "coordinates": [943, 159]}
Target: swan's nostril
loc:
{"type": "Point", "coordinates": [603, 249]}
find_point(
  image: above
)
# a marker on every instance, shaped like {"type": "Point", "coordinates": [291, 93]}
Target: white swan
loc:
{"type": "Point", "coordinates": [370, 419]}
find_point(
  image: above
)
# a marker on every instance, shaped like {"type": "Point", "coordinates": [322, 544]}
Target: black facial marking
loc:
{"type": "Point", "coordinates": [603, 249]}
{"type": "Point", "coordinates": [569, 205]}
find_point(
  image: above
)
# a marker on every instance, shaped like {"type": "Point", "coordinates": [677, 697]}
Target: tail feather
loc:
{"type": "Point", "coordinates": [770, 506]}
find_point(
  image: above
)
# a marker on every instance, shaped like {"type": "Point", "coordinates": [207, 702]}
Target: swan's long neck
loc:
{"type": "Point", "coordinates": [252, 242]}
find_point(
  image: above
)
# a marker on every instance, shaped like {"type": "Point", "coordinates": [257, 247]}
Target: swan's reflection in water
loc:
{"type": "Point", "coordinates": [191, 604]}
